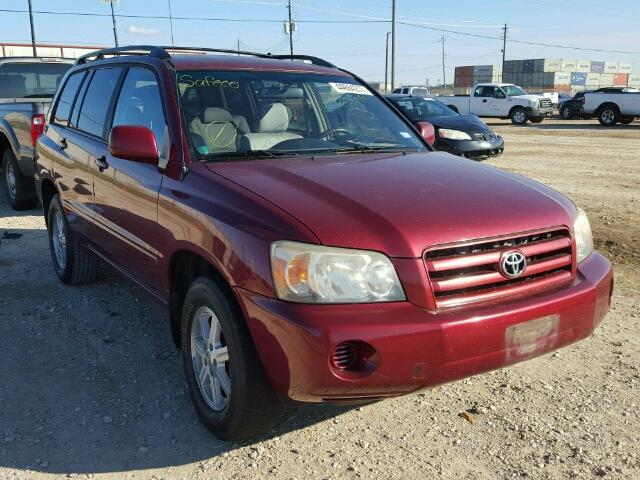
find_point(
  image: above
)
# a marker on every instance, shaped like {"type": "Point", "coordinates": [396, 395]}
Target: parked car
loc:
{"type": "Point", "coordinates": [26, 87]}
{"type": "Point", "coordinates": [573, 108]}
{"type": "Point", "coordinates": [612, 106]}
{"type": "Point", "coordinates": [415, 90]}
{"type": "Point", "coordinates": [304, 252]}
{"type": "Point", "coordinates": [464, 135]}
{"type": "Point", "coordinates": [501, 100]}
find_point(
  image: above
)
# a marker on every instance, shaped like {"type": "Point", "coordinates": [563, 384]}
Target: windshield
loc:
{"type": "Point", "coordinates": [513, 91]}
{"type": "Point", "coordinates": [252, 113]}
{"type": "Point", "coordinates": [25, 80]}
{"type": "Point", "coordinates": [417, 109]}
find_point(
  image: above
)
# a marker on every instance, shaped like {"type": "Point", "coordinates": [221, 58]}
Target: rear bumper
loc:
{"type": "Point", "coordinates": [471, 148]}
{"type": "Point", "coordinates": [416, 348]}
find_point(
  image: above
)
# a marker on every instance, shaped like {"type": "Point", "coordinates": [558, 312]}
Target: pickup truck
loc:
{"type": "Point", "coordinates": [501, 100]}
{"type": "Point", "coordinates": [27, 85]}
{"type": "Point", "coordinates": [613, 107]}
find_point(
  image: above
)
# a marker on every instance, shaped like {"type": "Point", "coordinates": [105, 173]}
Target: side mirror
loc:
{"type": "Point", "coordinates": [135, 143]}
{"type": "Point", "coordinates": [427, 132]}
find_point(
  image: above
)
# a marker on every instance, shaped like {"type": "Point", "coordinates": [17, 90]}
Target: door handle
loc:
{"type": "Point", "coordinates": [63, 144]}
{"type": "Point", "coordinates": [484, 101]}
{"type": "Point", "coordinates": [102, 163]}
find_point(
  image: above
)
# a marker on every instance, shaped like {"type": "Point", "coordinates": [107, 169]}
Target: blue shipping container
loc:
{"type": "Point", "coordinates": [597, 67]}
{"type": "Point", "coordinates": [528, 66]}
{"type": "Point", "coordinates": [578, 78]}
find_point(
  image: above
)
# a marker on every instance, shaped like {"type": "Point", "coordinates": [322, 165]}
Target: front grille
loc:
{"type": "Point", "coordinates": [489, 137]}
{"type": "Point", "coordinates": [471, 273]}
{"type": "Point", "coordinates": [545, 103]}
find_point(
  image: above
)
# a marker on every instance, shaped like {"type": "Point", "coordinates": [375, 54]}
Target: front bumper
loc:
{"type": "Point", "coordinates": [540, 112]}
{"type": "Point", "coordinates": [471, 148]}
{"type": "Point", "coordinates": [416, 348]}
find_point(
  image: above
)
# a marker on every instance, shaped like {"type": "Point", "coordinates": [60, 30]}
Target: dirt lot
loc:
{"type": "Point", "coordinates": [91, 385]}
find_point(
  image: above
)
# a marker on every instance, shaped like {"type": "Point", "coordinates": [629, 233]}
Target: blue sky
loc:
{"type": "Point", "coordinates": [358, 47]}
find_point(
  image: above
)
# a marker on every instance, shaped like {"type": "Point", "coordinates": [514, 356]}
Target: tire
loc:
{"type": "Point", "coordinates": [626, 120]}
{"type": "Point", "coordinates": [248, 406]}
{"type": "Point", "coordinates": [20, 190]}
{"type": "Point", "coordinates": [608, 115]}
{"type": "Point", "coordinates": [536, 120]}
{"type": "Point", "coordinates": [565, 113]}
{"type": "Point", "coordinates": [74, 264]}
{"type": "Point", "coordinates": [519, 116]}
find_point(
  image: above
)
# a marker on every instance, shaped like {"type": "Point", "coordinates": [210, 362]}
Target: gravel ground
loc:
{"type": "Point", "coordinates": [91, 385]}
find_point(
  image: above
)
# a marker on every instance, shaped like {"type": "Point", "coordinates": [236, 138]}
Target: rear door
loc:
{"type": "Point", "coordinates": [72, 170]}
{"type": "Point", "coordinates": [126, 192]}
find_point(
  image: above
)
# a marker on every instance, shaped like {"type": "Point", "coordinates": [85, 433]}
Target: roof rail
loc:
{"type": "Point", "coordinates": [163, 52]}
{"type": "Point", "coordinates": [150, 50]}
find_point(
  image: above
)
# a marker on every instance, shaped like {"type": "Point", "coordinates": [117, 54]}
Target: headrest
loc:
{"type": "Point", "coordinates": [215, 114]}
{"type": "Point", "coordinates": [12, 86]}
{"type": "Point", "coordinates": [274, 118]}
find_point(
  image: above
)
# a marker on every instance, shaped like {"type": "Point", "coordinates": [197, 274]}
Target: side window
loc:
{"type": "Point", "coordinates": [479, 92]}
{"type": "Point", "coordinates": [140, 103]}
{"type": "Point", "coordinates": [498, 93]}
{"type": "Point", "coordinates": [73, 121]}
{"type": "Point", "coordinates": [95, 106]}
{"type": "Point", "coordinates": [63, 109]}
{"type": "Point", "coordinates": [405, 90]}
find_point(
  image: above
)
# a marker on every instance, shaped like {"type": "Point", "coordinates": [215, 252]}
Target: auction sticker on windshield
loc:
{"type": "Point", "coordinates": [350, 88]}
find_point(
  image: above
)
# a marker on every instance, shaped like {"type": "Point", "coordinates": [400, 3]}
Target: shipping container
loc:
{"type": "Point", "coordinates": [597, 67]}
{"type": "Point", "coordinates": [583, 66]}
{"type": "Point", "coordinates": [551, 65]}
{"type": "Point", "coordinates": [634, 80]}
{"type": "Point", "coordinates": [561, 78]}
{"type": "Point", "coordinates": [578, 78]}
{"type": "Point", "coordinates": [606, 80]}
{"type": "Point", "coordinates": [562, 88]}
{"type": "Point", "coordinates": [568, 65]}
{"type": "Point", "coordinates": [593, 79]}
{"type": "Point", "coordinates": [466, 71]}
{"type": "Point", "coordinates": [620, 79]}
{"type": "Point", "coordinates": [610, 67]}
{"type": "Point", "coordinates": [528, 66]}
{"type": "Point", "coordinates": [538, 79]}
{"type": "Point", "coordinates": [624, 67]}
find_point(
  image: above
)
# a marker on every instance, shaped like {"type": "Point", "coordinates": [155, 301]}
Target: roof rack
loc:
{"type": "Point", "coordinates": [162, 52]}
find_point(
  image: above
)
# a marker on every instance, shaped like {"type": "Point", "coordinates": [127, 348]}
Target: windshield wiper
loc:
{"type": "Point", "coordinates": [235, 155]}
{"type": "Point", "coordinates": [367, 148]}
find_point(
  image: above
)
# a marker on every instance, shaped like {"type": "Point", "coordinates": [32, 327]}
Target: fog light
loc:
{"type": "Point", "coordinates": [354, 356]}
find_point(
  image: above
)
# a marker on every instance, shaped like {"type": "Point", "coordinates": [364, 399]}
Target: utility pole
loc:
{"type": "Point", "coordinates": [290, 29]}
{"type": "Point", "coordinates": [238, 47]}
{"type": "Point", "coordinates": [393, 44]}
{"type": "Point", "coordinates": [386, 64]}
{"type": "Point", "coordinates": [33, 34]}
{"type": "Point", "coordinates": [113, 19]}
{"type": "Point", "coordinates": [444, 76]}
{"type": "Point", "coordinates": [504, 50]}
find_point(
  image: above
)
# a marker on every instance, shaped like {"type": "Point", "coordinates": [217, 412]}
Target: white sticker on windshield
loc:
{"type": "Point", "coordinates": [405, 134]}
{"type": "Point", "coordinates": [350, 88]}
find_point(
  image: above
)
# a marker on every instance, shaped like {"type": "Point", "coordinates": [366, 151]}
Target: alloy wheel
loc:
{"type": "Point", "coordinates": [59, 240]}
{"type": "Point", "coordinates": [11, 180]}
{"type": "Point", "coordinates": [608, 116]}
{"type": "Point", "coordinates": [210, 358]}
{"type": "Point", "coordinates": [519, 117]}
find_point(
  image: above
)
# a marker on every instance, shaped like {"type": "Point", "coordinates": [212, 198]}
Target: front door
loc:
{"type": "Point", "coordinates": [480, 102]}
{"type": "Point", "coordinates": [126, 192]}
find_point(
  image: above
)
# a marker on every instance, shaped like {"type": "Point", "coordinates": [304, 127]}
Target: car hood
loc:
{"type": "Point", "coordinates": [400, 204]}
{"type": "Point", "coordinates": [467, 123]}
{"type": "Point", "coordinates": [530, 96]}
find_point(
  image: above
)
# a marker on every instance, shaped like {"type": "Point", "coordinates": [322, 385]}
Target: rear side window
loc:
{"type": "Point", "coordinates": [31, 80]}
{"type": "Point", "coordinates": [95, 105]}
{"type": "Point", "coordinates": [140, 103]}
{"type": "Point", "coordinates": [67, 97]}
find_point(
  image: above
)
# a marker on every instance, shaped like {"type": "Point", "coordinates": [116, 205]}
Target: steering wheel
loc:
{"type": "Point", "coordinates": [337, 131]}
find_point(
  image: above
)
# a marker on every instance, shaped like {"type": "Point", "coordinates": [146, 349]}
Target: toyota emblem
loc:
{"type": "Point", "coordinates": [513, 264]}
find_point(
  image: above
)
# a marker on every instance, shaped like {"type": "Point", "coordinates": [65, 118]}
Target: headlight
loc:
{"type": "Point", "coordinates": [584, 238]}
{"type": "Point", "coordinates": [315, 274]}
{"type": "Point", "coordinates": [534, 103]}
{"type": "Point", "coordinates": [453, 134]}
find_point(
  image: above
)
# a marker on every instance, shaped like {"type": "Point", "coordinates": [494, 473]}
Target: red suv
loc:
{"type": "Point", "coordinates": [306, 241]}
